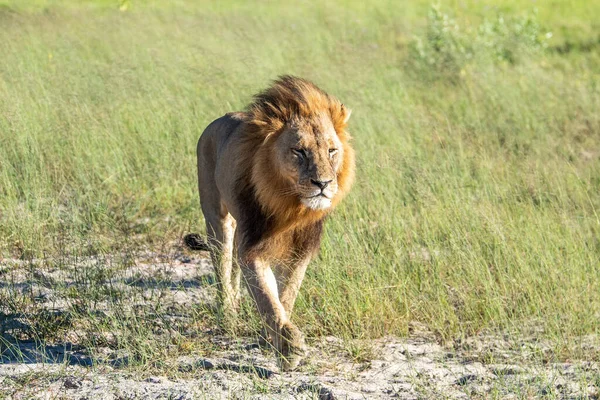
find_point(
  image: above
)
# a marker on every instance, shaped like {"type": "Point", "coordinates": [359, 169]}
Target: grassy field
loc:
{"type": "Point", "coordinates": [476, 126]}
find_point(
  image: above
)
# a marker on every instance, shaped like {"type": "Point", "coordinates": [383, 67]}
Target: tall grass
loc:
{"type": "Point", "coordinates": [477, 133]}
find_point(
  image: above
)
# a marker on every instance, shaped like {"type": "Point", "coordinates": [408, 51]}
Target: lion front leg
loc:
{"type": "Point", "coordinates": [287, 338]}
{"type": "Point", "coordinates": [290, 277]}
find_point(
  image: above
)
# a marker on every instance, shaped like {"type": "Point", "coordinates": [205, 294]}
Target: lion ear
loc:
{"type": "Point", "coordinates": [346, 112]}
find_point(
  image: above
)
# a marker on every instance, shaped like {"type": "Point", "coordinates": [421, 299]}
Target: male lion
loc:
{"type": "Point", "coordinates": [268, 177]}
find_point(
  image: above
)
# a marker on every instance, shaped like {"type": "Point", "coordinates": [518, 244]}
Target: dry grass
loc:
{"type": "Point", "coordinates": [478, 192]}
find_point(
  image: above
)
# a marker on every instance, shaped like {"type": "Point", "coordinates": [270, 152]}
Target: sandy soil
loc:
{"type": "Point", "coordinates": [487, 366]}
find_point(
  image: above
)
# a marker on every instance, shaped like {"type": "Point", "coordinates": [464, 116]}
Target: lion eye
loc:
{"type": "Point", "coordinates": [332, 152]}
{"type": "Point", "coordinates": [299, 152]}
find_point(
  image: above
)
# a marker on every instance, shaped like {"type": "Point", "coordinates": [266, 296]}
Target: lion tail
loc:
{"type": "Point", "coordinates": [194, 241]}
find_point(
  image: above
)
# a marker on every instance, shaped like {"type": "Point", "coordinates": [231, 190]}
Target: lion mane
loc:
{"type": "Point", "coordinates": [288, 99]}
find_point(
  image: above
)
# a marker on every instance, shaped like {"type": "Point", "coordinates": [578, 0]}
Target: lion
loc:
{"type": "Point", "coordinates": [267, 179]}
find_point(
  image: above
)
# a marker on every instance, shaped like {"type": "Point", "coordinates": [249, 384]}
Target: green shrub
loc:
{"type": "Point", "coordinates": [447, 49]}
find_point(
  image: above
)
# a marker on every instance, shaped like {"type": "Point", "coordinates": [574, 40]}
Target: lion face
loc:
{"type": "Point", "coordinates": [309, 155]}
{"type": "Point", "coordinates": [297, 152]}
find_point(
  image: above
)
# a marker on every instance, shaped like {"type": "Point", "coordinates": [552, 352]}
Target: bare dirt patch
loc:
{"type": "Point", "coordinates": [226, 366]}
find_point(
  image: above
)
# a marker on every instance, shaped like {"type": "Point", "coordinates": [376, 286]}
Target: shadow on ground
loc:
{"type": "Point", "coordinates": [14, 351]}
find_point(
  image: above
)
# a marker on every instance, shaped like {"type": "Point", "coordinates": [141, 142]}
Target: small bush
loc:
{"type": "Point", "coordinates": [446, 49]}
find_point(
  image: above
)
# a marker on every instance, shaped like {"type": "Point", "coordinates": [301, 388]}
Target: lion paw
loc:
{"type": "Point", "coordinates": [291, 347]}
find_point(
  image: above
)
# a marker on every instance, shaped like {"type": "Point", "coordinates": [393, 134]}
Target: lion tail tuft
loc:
{"type": "Point", "coordinates": [194, 241]}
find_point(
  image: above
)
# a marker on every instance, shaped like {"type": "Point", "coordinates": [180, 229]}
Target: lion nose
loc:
{"type": "Point", "coordinates": [321, 184]}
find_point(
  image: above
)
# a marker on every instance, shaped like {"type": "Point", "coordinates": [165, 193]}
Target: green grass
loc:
{"type": "Point", "coordinates": [477, 198]}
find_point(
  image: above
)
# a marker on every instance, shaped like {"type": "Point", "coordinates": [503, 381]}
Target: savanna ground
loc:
{"type": "Point", "coordinates": [466, 261]}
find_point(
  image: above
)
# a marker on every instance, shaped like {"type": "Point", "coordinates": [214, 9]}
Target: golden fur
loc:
{"type": "Point", "coordinates": [268, 177]}
{"type": "Point", "coordinates": [291, 99]}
